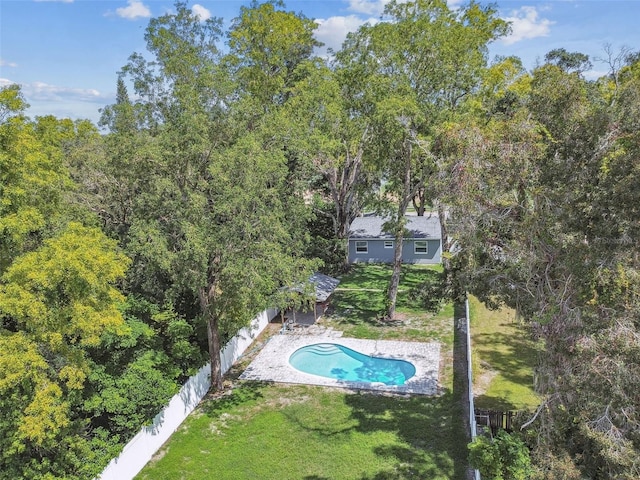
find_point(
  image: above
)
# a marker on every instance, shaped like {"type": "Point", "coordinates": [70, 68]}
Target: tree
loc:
{"type": "Point", "coordinates": [503, 457]}
{"type": "Point", "coordinates": [548, 231]}
{"type": "Point", "coordinates": [55, 302]}
{"type": "Point", "coordinates": [574, 61]}
{"type": "Point", "coordinates": [32, 181]}
{"type": "Point", "coordinates": [419, 66]}
{"type": "Point", "coordinates": [329, 139]}
{"type": "Point", "coordinates": [265, 47]}
{"type": "Point", "coordinates": [210, 233]}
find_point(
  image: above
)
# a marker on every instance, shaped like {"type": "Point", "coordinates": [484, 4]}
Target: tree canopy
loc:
{"type": "Point", "coordinates": [233, 161]}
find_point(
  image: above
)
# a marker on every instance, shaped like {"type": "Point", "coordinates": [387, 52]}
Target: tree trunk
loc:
{"type": "Point", "coordinates": [343, 183]}
{"type": "Point", "coordinates": [420, 201]}
{"type": "Point", "coordinates": [444, 237]}
{"type": "Point", "coordinates": [450, 282]}
{"type": "Point", "coordinates": [392, 290]}
{"type": "Point", "coordinates": [405, 197]}
{"type": "Point", "coordinates": [213, 336]}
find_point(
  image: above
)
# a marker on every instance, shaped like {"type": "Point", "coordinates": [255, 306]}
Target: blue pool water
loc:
{"type": "Point", "coordinates": [341, 363]}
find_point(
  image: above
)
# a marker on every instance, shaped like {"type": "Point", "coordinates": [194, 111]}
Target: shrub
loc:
{"type": "Point", "coordinates": [504, 457]}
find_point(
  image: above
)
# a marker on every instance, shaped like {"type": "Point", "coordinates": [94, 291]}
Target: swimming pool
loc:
{"type": "Point", "coordinates": [335, 361]}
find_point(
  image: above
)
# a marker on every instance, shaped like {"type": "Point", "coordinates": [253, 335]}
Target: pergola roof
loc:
{"type": "Point", "coordinates": [324, 284]}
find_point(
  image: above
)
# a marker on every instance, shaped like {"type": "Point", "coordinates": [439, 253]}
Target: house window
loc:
{"type": "Point", "coordinates": [420, 247]}
{"type": "Point", "coordinates": [362, 247]}
{"type": "Point", "coordinates": [388, 244]}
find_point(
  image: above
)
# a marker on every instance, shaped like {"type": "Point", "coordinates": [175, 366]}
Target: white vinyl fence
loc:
{"type": "Point", "coordinates": [472, 416]}
{"type": "Point", "coordinates": [144, 445]}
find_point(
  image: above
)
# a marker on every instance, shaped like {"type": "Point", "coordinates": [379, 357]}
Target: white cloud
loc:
{"type": "Point", "coordinates": [333, 30]}
{"type": "Point", "coordinates": [41, 91]}
{"type": "Point", "coordinates": [62, 102]}
{"type": "Point", "coordinates": [135, 10]}
{"type": "Point", "coordinates": [595, 74]}
{"type": "Point", "coordinates": [201, 12]}
{"type": "Point", "coordinates": [525, 24]}
{"type": "Point", "coordinates": [4, 63]}
{"type": "Point", "coordinates": [368, 7]}
{"type": "Point", "coordinates": [454, 4]}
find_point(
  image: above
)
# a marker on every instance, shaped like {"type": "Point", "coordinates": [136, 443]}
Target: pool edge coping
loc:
{"type": "Point", "coordinates": [272, 363]}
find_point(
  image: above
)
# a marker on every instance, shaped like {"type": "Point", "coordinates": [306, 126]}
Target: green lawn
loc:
{"type": "Point", "coordinates": [275, 431]}
{"type": "Point", "coordinates": [504, 357]}
{"type": "Point", "coordinates": [302, 432]}
{"type": "Point", "coordinates": [358, 303]}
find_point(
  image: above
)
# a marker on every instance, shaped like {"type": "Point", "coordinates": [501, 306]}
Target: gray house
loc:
{"type": "Point", "coordinates": [369, 243]}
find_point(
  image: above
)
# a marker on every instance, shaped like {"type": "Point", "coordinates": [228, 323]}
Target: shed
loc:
{"type": "Point", "coordinates": [323, 285]}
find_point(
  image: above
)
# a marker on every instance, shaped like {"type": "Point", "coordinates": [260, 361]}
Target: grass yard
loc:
{"type": "Point", "coordinates": [359, 301]}
{"type": "Point", "coordinates": [504, 357]}
{"type": "Point", "coordinates": [260, 431]}
{"type": "Point", "coordinates": [275, 431]}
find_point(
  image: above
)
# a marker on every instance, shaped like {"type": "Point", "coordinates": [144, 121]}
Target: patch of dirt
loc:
{"type": "Point", "coordinates": [221, 423]}
{"type": "Point", "coordinates": [482, 380]}
{"type": "Point", "coordinates": [158, 455]}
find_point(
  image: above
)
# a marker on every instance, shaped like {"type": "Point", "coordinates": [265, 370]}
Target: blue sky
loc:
{"type": "Point", "coordinates": [66, 53]}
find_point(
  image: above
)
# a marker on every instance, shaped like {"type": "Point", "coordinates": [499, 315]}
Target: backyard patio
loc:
{"type": "Point", "coordinates": [272, 363]}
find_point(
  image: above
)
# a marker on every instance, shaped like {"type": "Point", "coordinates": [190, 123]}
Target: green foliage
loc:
{"type": "Point", "coordinates": [179, 341]}
{"type": "Point", "coordinates": [12, 102]}
{"type": "Point", "coordinates": [204, 179]}
{"type": "Point", "coordinates": [574, 61]}
{"type": "Point", "coordinates": [131, 399]}
{"type": "Point", "coordinates": [266, 45]}
{"type": "Point", "coordinates": [503, 457]}
{"type": "Point", "coordinates": [55, 302]}
{"type": "Point", "coordinates": [33, 181]}
{"type": "Point", "coordinates": [62, 293]}
{"type": "Point", "coordinates": [415, 70]}
{"type": "Point", "coordinates": [430, 292]}
{"type": "Point", "coordinates": [545, 198]}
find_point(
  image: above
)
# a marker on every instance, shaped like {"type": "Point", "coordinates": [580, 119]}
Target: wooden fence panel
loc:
{"type": "Point", "coordinates": [495, 420]}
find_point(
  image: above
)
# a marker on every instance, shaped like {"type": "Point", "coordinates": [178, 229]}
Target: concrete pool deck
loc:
{"type": "Point", "coordinates": [272, 363]}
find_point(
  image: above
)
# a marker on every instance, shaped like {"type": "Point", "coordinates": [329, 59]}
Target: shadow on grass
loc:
{"type": "Point", "coordinates": [220, 402]}
{"type": "Point", "coordinates": [512, 355]}
{"type": "Point", "coordinates": [428, 426]}
{"type": "Point", "coordinates": [421, 289]}
{"type": "Point", "coordinates": [362, 293]}
{"type": "Point", "coordinates": [492, 402]}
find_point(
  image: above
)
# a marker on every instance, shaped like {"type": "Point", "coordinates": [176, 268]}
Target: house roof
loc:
{"type": "Point", "coordinates": [427, 227]}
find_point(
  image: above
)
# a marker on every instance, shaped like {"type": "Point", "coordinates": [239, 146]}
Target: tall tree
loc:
{"type": "Point", "coordinates": [552, 214]}
{"type": "Point", "coordinates": [55, 302]}
{"type": "Point", "coordinates": [568, 61]}
{"type": "Point", "coordinates": [325, 134]}
{"type": "Point", "coordinates": [419, 66]}
{"type": "Point", "coordinates": [32, 180]}
{"type": "Point", "coordinates": [209, 232]}
{"type": "Point", "coordinates": [266, 44]}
